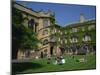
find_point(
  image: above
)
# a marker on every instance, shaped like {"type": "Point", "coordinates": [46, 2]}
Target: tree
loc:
{"type": "Point", "coordinates": [23, 38]}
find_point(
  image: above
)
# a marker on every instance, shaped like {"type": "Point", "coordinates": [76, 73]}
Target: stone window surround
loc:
{"type": "Point", "coordinates": [45, 23]}
{"type": "Point", "coordinates": [45, 31]}
{"type": "Point", "coordinates": [45, 41]}
{"type": "Point", "coordinates": [86, 38]}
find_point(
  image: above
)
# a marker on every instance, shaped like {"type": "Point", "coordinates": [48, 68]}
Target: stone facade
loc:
{"type": "Point", "coordinates": [56, 40]}
{"type": "Point", "coordinates": [79, 37]}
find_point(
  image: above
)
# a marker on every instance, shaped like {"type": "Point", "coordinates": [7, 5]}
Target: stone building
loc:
{"type": "Point", "coordinates": [79, 37]}
{"type": "Point", "coordinates": [56, 40]}
{"type": "Point", "coordinates": [40, 23]}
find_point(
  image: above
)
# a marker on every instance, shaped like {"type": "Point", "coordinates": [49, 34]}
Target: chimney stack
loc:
{"type": "Point", "coordinates": [82, 18]}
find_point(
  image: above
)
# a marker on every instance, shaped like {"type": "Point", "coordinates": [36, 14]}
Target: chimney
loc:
{"type": "Point", "coordinates": [82, 18]}
{"type": "Point", "coordinates": [50, 12]}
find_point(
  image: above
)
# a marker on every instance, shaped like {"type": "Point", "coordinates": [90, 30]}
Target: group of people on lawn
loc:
{"type": "Point", "coordinates": [58, 60]}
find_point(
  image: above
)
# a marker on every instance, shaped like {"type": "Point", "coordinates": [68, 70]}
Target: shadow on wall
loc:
{"type": "Point", "coordinates": [22, 66]}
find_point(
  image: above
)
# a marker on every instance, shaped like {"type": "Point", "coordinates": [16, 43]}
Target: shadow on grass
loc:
{"type": "Point", "coordinates": [22, 66]}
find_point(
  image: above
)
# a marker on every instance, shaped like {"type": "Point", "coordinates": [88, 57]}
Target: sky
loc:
{"type": "Point", "coordinates": [64, 13]}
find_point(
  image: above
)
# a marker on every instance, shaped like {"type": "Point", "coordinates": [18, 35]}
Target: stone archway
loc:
{"type": "Point", "coordinates": [51, 50]}
{"type": "Point", "coordinates": [42, 55]}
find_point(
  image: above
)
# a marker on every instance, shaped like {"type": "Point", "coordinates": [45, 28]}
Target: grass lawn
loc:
{"type": "Point", "coordinates": [40, 65]}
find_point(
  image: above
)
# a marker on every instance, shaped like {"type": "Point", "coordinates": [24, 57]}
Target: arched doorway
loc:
{"type": "Point", "coordinates": [41, 54]}
{"type": "Point", "coordinates": [51, 50]}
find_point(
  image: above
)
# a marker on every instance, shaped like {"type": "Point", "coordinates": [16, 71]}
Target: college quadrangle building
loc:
{"type": "Point", "coordinates": [75, 38]}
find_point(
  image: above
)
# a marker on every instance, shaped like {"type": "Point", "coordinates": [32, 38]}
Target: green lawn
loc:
{"type": "Point", "coordinates": [40, 65]}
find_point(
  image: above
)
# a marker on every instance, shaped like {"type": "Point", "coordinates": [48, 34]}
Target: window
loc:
{"type": "Point", "coordinates": [53, 31]}
{"type": "Point", "coordinates": [70, 40]}
{"type": "Point", "coordinates": [74, 29]}
{"type": "Point", "coordinates": [91, 27]}
{"type": "Point", "coordinates": [86, 38]}
{"type": "Point", "coordinates": [83, 28]}
{"type": "Point", "coordinates": [45, 42]}
{"type": "Point", "coordinates": [45, 32]}
{"type": "Point", "coordinates": [53, 39]}
{"type": "Point", "coordinates": [74, 40]}
{"type": "Point", "coordinates": [59, 40]}
{"type": "Point", "coordinates": [45, 51]}
{"type": "Point", "coordinates": [45, 22]}
{"type": "Point", "coordinates": [65, 41]}
{"type": "Point", "coordinates": [61, 33]}
{"type": "Point", "coordinates": [65, 32]}
{"type": "Point", "coordinates": [31, 23]}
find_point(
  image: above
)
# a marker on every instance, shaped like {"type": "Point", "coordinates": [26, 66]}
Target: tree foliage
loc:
{"type": "Point", "coordinates": [23, 37]}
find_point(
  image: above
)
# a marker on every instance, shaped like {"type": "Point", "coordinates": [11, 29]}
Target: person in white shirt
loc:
{"type": "Point", "coordinates": [63, 61]}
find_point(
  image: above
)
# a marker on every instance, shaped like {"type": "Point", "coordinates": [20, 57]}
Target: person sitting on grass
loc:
{"type": "Point", "coordinates": [62, 60]}
{"type": "Point", "coordinates": [59, 60]}
{"type": "Point", "coordinates": [55, 62]}
{"type": "Point", "coordinates": [36, 57]}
